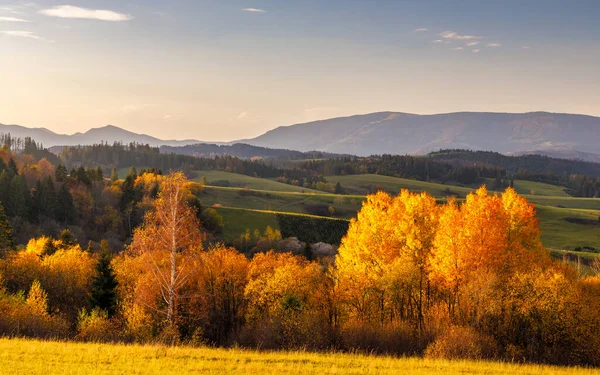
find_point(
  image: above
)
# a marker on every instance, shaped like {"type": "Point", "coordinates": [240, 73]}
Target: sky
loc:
{"type": "Point", "coordinates": [221, 70]}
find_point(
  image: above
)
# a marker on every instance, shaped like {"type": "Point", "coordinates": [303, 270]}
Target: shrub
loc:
{"type": "Point", "coordinates": [462, 343]}
{"type": "Point", "coordinates": [394, 338]}
{"type": "Point", "coordinates": [19, 319]}
{"type": "Point", "coordinates": [96, 326]}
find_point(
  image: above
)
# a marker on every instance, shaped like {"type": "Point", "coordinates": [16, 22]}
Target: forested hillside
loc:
{"type": "Point", "coordinates": [243, 151]}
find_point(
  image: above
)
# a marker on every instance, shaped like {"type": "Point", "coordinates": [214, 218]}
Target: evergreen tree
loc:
{"type": "Point", "coordinates": [49, 247]}
{"type": "Point", "coordinates": [65, 209]}
{"type": "Point", "coordinates": [3, 165]}
{"type": "Point", "coordinates": [5, 182]}
{"type": "Point", "coordinates": [338, 188]}
{"type": "Point", "coordinates": [12, 167]}
{"type": "Point", "coordinates": [44, 199]}
{"type": "Point", "coordinates": [18, 197]}
{"type": "Point", "coordinates": [6, 236]}
{"type": "Point", "coordinates": [113, 175]}
{"type": "Point", "coordinates": [132, 172]}
{"type": "Point", "coordinates": [61, 174]}
{"type": "Point", "coordinates": [104, 283]}
{"type": "Point", "coordinates": [82, 176]}
{"type": "Point", "coordinates": [67, 239]}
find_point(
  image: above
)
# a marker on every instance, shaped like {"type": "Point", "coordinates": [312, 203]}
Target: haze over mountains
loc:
{"type": "Point", "coordinates": [403, 133]}
{"type": "Point", "coordinates": [108, 133]}
{"type": "Point", "coordinates": [553, 134]}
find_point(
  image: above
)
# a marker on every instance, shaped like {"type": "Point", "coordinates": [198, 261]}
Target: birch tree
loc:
{"type": "Point", "coordinates": [170, 241]}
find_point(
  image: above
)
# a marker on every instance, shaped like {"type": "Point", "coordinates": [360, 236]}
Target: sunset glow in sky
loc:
{"type": "Point", "coordinates": [218, 70]}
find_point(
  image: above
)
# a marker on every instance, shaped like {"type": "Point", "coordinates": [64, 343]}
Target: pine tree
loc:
{"type": "Point", "coordinates": [82, 176]}
{"type": "Point", "coordinates": [6, 237]}
{"type": "Point", "coordinates": [113, 175]}
{"type": "Point", "coordinates": [61, 173]}
{"type": "Point", "coordinates": [67, 239]}
{"type": "Point", "coordinates": [104, 283]}
{"type": "Point", "coordinates": [44, 198]}
{"type": "Point", "coordinates": [5, 182]}
{"type": "Point", "coordinates": [12, 167]}
{"type": "Point", "coordinates": [65, 209]}
{"type": "Point", "coordinates": [18, 196]}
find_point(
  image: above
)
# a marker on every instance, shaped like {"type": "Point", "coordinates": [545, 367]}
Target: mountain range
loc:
{"type": "Point", "coordinates": [108, 133]}
{"type": "Point", "coordinates": [561, 135]}
{"type": "Point", "coordinates": [404, 133]}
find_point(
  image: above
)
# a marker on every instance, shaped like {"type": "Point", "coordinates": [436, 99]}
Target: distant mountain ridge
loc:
{"type": "Point", "coordinates": [568, 136]}
{"type": "Point", "coordinates": [108, 133]}
{"type": "Point", "coordinates": [405, 133]}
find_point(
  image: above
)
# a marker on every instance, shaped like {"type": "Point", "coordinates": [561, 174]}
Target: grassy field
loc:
{"type": "Point", "coordinates": [363, 183]}
{"type": "Point", "coordinates": [239, 180]}
{"type": "Point", "coordinates": [569, 228]}
{"type": "Point", "coordinates": [539, 188]}
{"type": "Point", "coordinates": [236, 221]}
{"type": "Point", "coordinates": [346, 205]}
{"type": "Point", "coordinates": [54, 358]}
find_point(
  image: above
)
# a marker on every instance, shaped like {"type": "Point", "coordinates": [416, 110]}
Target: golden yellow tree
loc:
{"type": "Point", "coordinates": [383, 260]}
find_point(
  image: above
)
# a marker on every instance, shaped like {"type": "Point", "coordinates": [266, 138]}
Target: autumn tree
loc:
{"type": "Point", "coordinates": [170, 240]}
{"type": "Point", "coordinates": [488, 238]}
{"type": "Point", "coordinates": [223, 282]}
{"type": "Point", "coordinates": [383, 260]}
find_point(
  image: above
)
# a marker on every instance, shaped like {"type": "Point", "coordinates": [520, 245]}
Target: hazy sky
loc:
{"type": "Point", "coordinates": [229, 69]}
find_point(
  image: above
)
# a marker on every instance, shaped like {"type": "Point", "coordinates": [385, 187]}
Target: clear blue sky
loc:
{"type": "Point", "coordinates": [222, 70]}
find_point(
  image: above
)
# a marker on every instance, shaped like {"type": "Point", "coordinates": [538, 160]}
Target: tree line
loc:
{"type": "Point", "coordinates": [411, 277]}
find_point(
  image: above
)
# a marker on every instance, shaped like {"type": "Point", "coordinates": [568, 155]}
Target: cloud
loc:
{"type": "Point", "coordinates": [254, 10]}
{"type": "Point", "coordinates": [9, 10]}
{"type": "Point", "coordinates": [476, 50]}
{"type": "Point", "coordinates": [458, 48]}
{"type": "Point", "coordinates": [525, 47]}
{"type": "Point", "coordinates": [26, 34]}
{"type": "Point", "coordinates": [437, 41]}
{"type": "Point", "coordinates": [493, 45]}
{"type": "Point", "coordinates": [166, 117]}
{"type": "Point", "coordinates": [69, 11]}
{"type": "Point", "coordinates": [12, 19]}
{"type": "Point", "coordinates": [454, 35]}
{"type": "Point", "coordinates": [420, 30]}
{"type": "Point", "coordinates": [471, 44]}
{"type": "Point", "coordinates": [242, 115]}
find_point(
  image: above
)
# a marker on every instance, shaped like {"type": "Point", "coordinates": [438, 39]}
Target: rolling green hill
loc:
{"type": "Point", "coordinates": [566, 222]}
{"type": "Point", "coordinates": [240, 180]}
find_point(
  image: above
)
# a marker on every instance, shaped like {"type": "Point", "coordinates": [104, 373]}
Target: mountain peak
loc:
{"type": "Point", "coordinates": [405, 133]}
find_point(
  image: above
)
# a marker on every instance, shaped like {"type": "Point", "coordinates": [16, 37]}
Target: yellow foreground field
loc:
{"type": "Point", "coordinates": [50, 358]}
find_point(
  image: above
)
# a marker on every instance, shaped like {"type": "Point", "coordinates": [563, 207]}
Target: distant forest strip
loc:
{"type": "Point", "coordinates": [461, 167]}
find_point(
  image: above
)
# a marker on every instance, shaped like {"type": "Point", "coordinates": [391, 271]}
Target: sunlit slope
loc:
{"type": "Point", "coordinates": [54, 358]}
{"type": "Point", "coordinates": [240, 180]}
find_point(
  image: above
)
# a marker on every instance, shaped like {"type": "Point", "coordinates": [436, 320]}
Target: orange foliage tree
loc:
{"type": "Point", "coordinates": [170, 241]}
